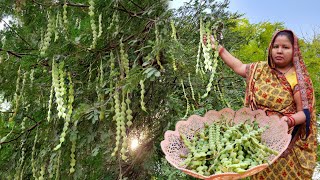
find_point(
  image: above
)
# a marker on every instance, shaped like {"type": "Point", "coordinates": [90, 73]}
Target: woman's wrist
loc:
{"type": "Point", "coordinates": [291, 121]}
{"type": "Point", "coordinates": [220, 49]}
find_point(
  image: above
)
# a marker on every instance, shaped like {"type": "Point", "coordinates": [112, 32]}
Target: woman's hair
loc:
{"type": "Point", "coordinates": [288, 34]}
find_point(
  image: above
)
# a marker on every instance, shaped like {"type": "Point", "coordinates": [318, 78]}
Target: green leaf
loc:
{"type": "Point", "coordinates": [157, 74]}
{"type": "Point", "coordinates": [150, 73]}
{"type": "Point", "coordinates": [148, 70]}
{"type": "Point", "coordinates": [95, 151]}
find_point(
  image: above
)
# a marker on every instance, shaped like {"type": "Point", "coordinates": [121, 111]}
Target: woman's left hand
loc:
{"type": "Point", "coordinates": [286, 119]}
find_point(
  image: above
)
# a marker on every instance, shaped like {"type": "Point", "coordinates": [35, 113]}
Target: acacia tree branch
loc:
{"type": "Point", "coordinates": [11, 52]}
{"type": "Point", "coordinates": [27, 131]}
{"type": "Point", "coordinates": [19, 55]}
{"type": "Point", "coordinates": [131, 13]}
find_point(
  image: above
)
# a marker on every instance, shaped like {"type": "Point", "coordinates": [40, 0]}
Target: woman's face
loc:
{"type": "Point", "coordinates": [282, 51]}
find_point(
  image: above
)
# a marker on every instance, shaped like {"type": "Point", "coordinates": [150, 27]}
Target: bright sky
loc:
{"type": "Point", "coordinates": [1, 24]}
{"type": "Point", "coordinates": [301, 16]}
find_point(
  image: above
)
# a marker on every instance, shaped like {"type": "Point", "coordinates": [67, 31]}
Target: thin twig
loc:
{"type": "Point", "coordinates": [27, 131]}
{"type": "Point", "coordinates": [137, 5]}
{"type": "Point", "coordinates": [16, 33]}
{"type": "Point", "coordinates": [32, 119]}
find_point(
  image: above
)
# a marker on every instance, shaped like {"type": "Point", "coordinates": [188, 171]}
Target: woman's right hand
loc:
{"type": "Point", "coordinates": [212, 40]}
{"type": "Point", "coordinates": [235, 64]}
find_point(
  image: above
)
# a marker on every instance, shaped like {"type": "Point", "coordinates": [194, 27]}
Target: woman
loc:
{"type": "Point", "coordinates": [282, 86]}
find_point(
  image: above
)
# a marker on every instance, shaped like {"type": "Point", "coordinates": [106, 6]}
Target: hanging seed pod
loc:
{"type": "Point", "coordinates": [158, 45]}
{"type": "Point", "coordinates": [206, 48]}
{"type": "Point", "coordinates": [18, 82]}
{"type": "Point", "coordinates": [192, 92]}
{"type": "Point", "coordinates": [50, 103]}
{"type": "Point", "coordinates": [198, 57]}
{"type": "Point", "coordinates": [209, 85]}
{"type": "Point", "coordinates": [51, 165]}
{"type": "Point", "coordinates": [23, 122]}
{"type": "Point", "coordinates": [31, 78]}
{"type": "Point", "coordinates": [63, 89]}
{"type": "Point", "coordinates": [93, 25]}
{"type": "Point", "coordinates": [100, 26]}
{"type": "Point", "coordinates": [65, 17]}
{"type": "Point", "coordinates": [174, 36]}
{"type": "Point", "coordinates": [101, 80]}
{"type": "Point", "coordinates": [142, 103]}
{"type": "Point", "coordinates": [23, 84]}
{"type": "Point", "coordinates": [172, 57]}
{"type": "Point", "coordinates": [112, 75]}
{"type": "Point", "coordinates": [68, 114]}
{"type": "Point", "coordinates": [101, 93]}
{"type": "Point", "coordinates": [117, 117]}
{"type": "Point", "coordinates": [59, 87]}
{"type": "Point", "coordinates": [213, 72]}
{"type": "Point", "coordinates": [89, 76]}
{"type": "Point", "coordinates": [124, 59]}
{"type": "Point", "coordinates": [174, 32]}
{"type": "Point", "coordinates": [112, 21]}
{"type": "Point", "coordinates": [48, 35]}
{"type": "Point", "coordinates": [19, 168]}
{"type": "Point", "coordinates": [56, 33]}
{"type": "Point", "coordinates": [73, 138]}
{"type": "Point", "coordinates": [16, 96]}
{"type": "Point", "coordinates": [56, 86]}
{"type": "Point", "coordinates": [33, 164]}
{"type": "Point", "coordinates": [22, 171]}
{"type": "Point", "coordinates": [123, 128]}
{"type": "Point", "coordinates": [58, 162]}
{"type": "Point", "coordinates": [114, 24]}
{"type": "Point", "coordinates": [42, 172]}
{"type": "Point", "coordinates": [129, 111]}
{"type": "Point", "coordinates": [185, 96]}
{"type": "Point", "coordinates": [41, 39]}
{"type": "Point", "coordinates": [77, 22]}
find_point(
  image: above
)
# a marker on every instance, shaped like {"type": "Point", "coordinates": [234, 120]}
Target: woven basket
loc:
{"type": "Point", "coordinates": [276, 137]}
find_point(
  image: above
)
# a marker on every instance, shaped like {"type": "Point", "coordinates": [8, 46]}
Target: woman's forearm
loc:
{"type": "Point", "coordinates": [295, 119]}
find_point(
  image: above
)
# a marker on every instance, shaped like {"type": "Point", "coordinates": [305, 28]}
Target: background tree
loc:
{"type": "Point", "coordinates": [87, 79]}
